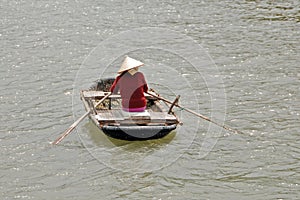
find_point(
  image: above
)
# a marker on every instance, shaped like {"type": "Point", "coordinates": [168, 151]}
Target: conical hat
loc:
{"type": "Point", "coordinates": [129, 63]}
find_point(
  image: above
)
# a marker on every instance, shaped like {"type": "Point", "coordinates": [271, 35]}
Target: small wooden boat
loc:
{"type": "Point", "coordinates": [114, 122]}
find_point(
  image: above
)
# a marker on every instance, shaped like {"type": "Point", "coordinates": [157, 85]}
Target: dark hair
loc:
{"type": "Point", "coordinates": [122, 74]}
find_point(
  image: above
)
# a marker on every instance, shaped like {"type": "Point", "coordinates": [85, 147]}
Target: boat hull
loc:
{"type": "Point", "coordinates": [138, 133]}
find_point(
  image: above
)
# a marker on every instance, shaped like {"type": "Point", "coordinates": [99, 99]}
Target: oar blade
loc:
{"type": "Point", "coordinates": [67, 132]}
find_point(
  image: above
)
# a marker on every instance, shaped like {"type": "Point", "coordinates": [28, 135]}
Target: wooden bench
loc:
{"type": "Point", "coordinates": [116, 116]}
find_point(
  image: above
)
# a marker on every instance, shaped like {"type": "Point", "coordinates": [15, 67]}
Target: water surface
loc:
{"type": "Point", "coordinates": [47, 54]}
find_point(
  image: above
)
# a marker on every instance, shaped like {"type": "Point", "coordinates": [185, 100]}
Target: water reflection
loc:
{"type": "Point", "coordinates": [130, 156]}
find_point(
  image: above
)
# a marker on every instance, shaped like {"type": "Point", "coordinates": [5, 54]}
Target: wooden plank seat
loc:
{"type": "Point", "coordinates": [116, 116]}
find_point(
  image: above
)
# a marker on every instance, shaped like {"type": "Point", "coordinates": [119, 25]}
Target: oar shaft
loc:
{"type": "Point", "coordinates": [70, 129]}
{"type": "Point", "coordinates": [197, 114]}
{"type": "Point", "coordinates": [208, 119]}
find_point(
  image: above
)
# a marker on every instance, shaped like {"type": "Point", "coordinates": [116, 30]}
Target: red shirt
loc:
{"type": "Point", "coordinates": [132, 88]}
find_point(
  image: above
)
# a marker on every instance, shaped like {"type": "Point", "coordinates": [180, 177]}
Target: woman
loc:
{"type": "Point", "coordinates": [132, 85]}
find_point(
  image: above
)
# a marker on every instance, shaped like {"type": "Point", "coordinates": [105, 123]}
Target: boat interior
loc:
{"type": "Point", "coordinates": [110, 112]}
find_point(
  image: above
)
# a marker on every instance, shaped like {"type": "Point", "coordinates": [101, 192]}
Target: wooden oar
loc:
{"type": "Point", "coordinates": [197, 114]}
{"type": "Point", "coordinates": [69, 130]}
